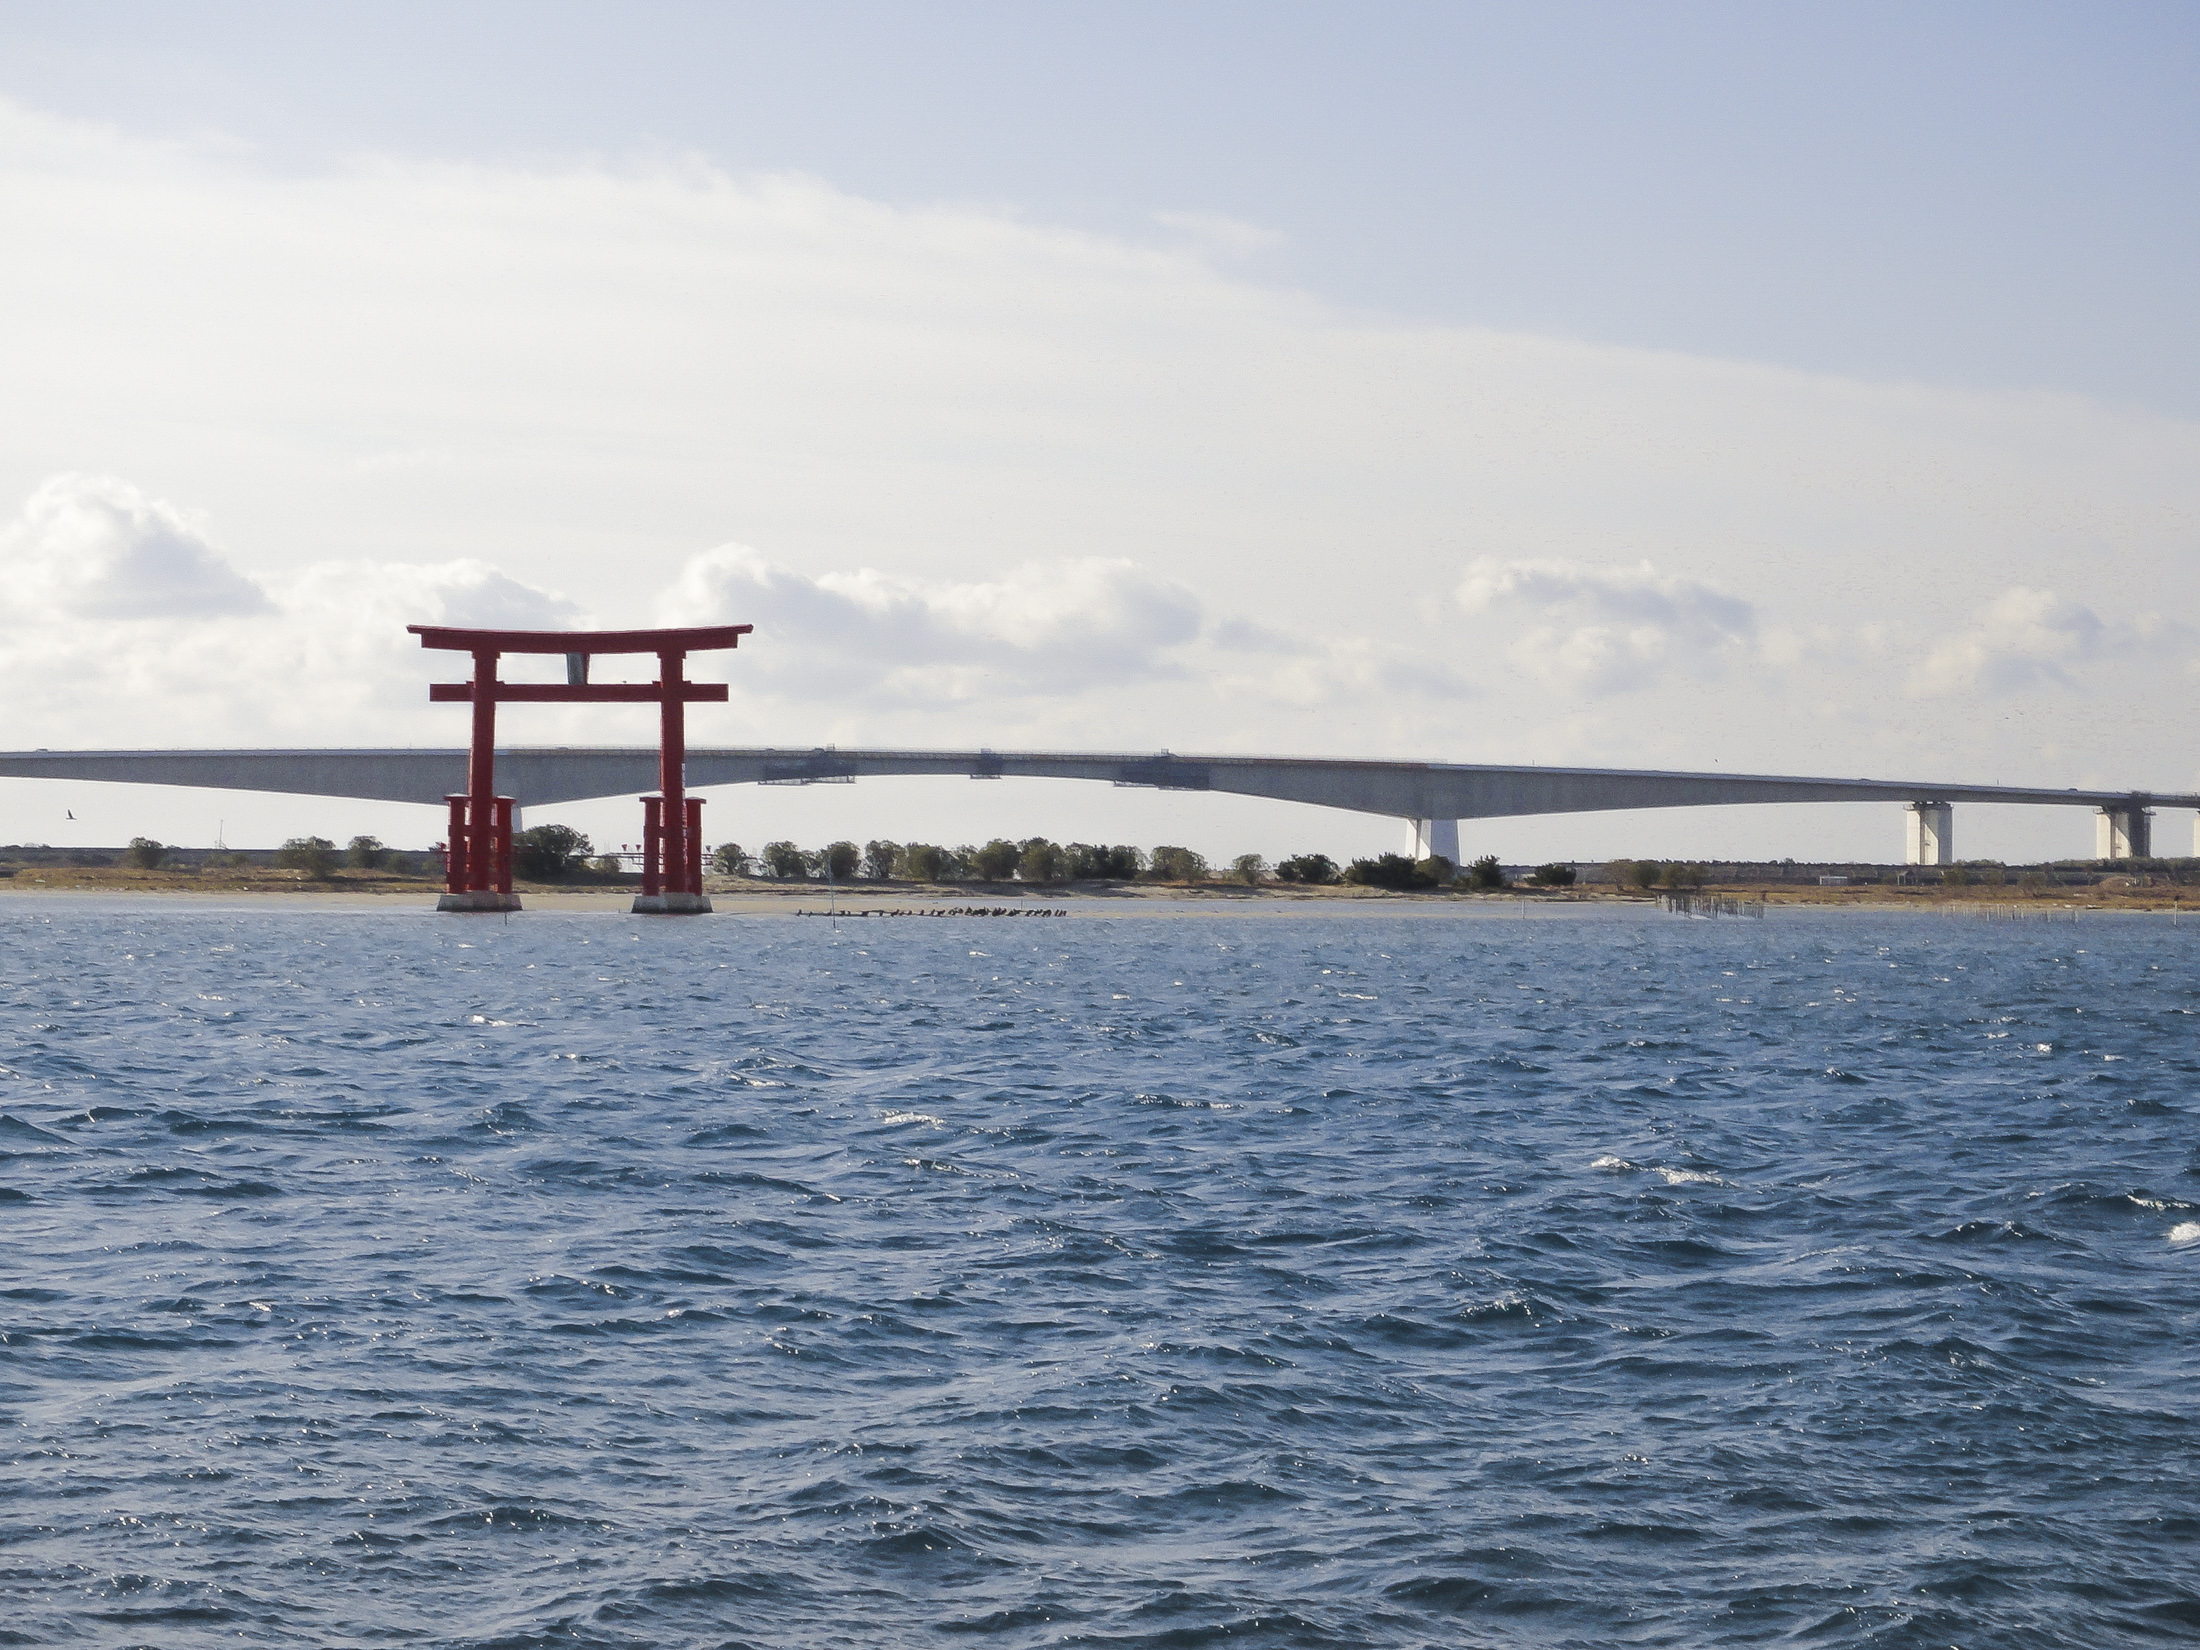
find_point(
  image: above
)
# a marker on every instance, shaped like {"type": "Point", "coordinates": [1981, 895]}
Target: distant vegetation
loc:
{"type": "Point", "coordinates": [548, 853]}
{"type": "Point", "coordinates": [555, 852]}
{"type": "Point", "coordinates": [310, 856]}
{"type": "Point", "coordinates": [1656, 873]}
{"type": "Point", "coordinates": [1397, 871]}
{"type": "Point", "coordinates": [1041, 861]}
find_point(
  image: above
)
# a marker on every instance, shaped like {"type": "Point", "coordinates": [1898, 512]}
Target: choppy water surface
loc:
{"type": "Point", "coordinates": [1158, 1281]}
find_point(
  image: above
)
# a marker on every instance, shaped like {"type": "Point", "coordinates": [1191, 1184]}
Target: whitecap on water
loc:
{"type": "Point", "coordinates": [1672, 1177]}
{"type": "Point", "coordinates": [2184, 1232]}
{"type": "Point", "coordinates": [1693, 1177]}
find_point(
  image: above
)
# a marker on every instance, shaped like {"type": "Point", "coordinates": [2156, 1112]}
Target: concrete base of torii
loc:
{"type": "Point", "coordinates": [671, 905]}
{"type": "Point", "coordinates": [478, 899]}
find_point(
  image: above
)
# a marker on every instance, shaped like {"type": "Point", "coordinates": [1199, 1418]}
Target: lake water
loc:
{"type": "Point", "coordinates": [1163, 1280]}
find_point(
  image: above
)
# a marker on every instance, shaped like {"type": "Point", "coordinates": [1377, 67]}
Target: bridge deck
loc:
{"type": "Point", "coordinates": [538, 776]}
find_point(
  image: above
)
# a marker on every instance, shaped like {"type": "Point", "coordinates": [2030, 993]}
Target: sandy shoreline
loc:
{"type": "Point", "coordinates": [815, 903]}
{"type": "Point", "coordinates": [888, 905]}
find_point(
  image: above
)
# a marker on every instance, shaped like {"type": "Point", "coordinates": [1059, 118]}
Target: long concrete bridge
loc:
{"type": "Point", "coordinates": [1432, 796]}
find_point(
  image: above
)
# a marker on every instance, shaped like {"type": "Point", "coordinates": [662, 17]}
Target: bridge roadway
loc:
{"type": "Point", "coordinates": [1431, 795]}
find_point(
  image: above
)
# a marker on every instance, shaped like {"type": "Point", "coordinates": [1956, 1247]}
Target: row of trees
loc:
{"type": "Point", "coordinates": [1035, 859]}
{"type": "Point", "coordinates": [314, 856]}
{"type": "Point", "coordinates": [552, 852]}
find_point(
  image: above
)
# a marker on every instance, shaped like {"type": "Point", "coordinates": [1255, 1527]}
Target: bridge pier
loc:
{"type": "Point", "coordinates": [1436, 837]}
{"type": "Point", "coordinates": [2125, 831]}
{"type": "Point", "coordinates": [1931, 837]}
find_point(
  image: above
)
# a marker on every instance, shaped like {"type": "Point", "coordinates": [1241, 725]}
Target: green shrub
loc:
{"type": "Point", "coordinates": [311, 856]}
{"type": "Point", "coordinates": [1307, 868]}
{"type": "Point", "coordinates": [145, 854]}
{"type": "Point", "coordinates": [1485, 873]}
{"type": "Point", "coordinates": [1553, 875]}
{"type": "Point", "coordinates": [1089, 862]}
{"type": "Point", "coordinates": [1388, 871]}
{"type": "Point", "coordinates": [996, 861]}
{"type": "Point", "coordinates": [1170, 864]}
{"type": "Point", "coordinates": [921, 862]}
{"type": "Point", "coordinates": [547, 852]}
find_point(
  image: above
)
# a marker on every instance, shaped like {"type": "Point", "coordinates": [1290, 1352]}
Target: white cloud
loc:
{"type": "Point", "coordinates": [134, 630]}
{"type": "Point", "coordinates": [1353, 671]}
{"type": "Point", "coordinates": [2028, 638]}
{"type": "Point", "coordinates": [464, 592]}
{"type": "Point", "coordinates": [321, 655]}
{"type": "Point", "coordinates": [1041, 629]}
{"type": "Point", "coordinates": [1606, 629]}
{"type": "Point", "coordinates": [95, 547]}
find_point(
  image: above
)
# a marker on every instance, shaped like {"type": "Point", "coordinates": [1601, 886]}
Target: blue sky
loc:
{"type": "Point", "coordinates": [1764, 387]}
{"type": "Point", "coordinates": [1996, 195]}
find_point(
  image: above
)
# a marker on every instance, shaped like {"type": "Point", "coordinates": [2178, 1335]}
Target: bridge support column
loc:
{"type": "Point", "coordinates": [2125, 831]}
{"type": "Point", "coordinates": [1436, 837]}
{"type": "Point", "coordinates": [1932, 834]}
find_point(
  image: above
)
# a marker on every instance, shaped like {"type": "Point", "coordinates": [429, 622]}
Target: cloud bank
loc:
{"type": "Point", "coordinates": [1008, 484]}
{"type": "Point", "coordinates": [1607, 630]}
{"type": "Point", "coordinates": [95, 547]}
{"type": "Point", "coordinates": [1091, 624]}
{"type": "Point", "coordinates": [2027, 639]}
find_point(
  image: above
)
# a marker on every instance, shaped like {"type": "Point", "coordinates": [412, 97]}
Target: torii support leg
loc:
{"type": "Point", "coordinates": [478, 874]}
{"type": "Point", "coordinates": [672, 822]}
{"type": "Point", "coordinates": [454, 849]}
{"type": "Point", "coordinates": [478, 857]}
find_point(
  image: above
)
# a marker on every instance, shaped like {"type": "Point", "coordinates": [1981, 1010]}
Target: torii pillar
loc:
{"type": "Point", "coordinates": [478, 859]}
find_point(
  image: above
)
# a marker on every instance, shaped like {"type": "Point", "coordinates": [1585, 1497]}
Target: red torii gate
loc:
{"type": "Point", "coordinates": [478, 874]}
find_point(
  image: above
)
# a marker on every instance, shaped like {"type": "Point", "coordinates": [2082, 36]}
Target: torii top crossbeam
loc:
{"type": "Point", "coordinates": [672, 693]}
{"type": "Point", "coordinates": [703, 639]}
